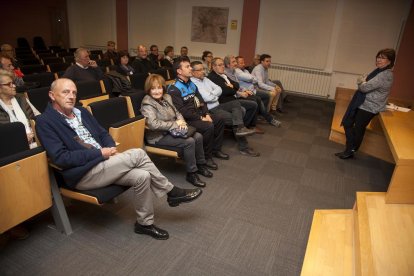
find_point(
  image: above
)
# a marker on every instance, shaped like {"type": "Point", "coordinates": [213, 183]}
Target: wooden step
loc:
{"type": "Point", "coordinates": [330, 245]}
{"type": "Point", "coordinates": [384, 236]}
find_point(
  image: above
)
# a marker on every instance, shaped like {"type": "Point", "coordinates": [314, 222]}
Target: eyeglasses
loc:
{"type": "Point", "coordinates": [209, 56]}
{"type": "Point", "coordinates": [9, 84]}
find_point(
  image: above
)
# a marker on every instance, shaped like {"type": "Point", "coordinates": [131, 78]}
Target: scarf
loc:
{"type": "Point", "coordinates": [358, 99]}
{"type": "Point", "coordinates": [18, 114]}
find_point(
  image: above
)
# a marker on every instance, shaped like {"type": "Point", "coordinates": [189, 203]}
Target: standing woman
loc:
{"type": "Point", "coordinates": [370, 99]}
{"type": "Point", "coordinates": [207, 57]}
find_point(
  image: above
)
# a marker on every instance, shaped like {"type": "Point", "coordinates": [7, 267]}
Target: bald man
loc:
{"type": "Point", "coordinates": [142, 64]}
{"type": "Point", "coordinates": [87, 155]}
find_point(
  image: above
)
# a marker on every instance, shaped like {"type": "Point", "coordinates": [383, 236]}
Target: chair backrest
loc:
{"type": "Point", "coordinates": [29, 60]}
{"type": "Point", "coordinates": [110, 111]}
{"type": "Point", "coordinates": [39, 97]}
{"type": "Point", "coordinates": [56, 48]}
{"type": "Point", "coordinates": [30, 69]}
{"type": "Point", "coordinates": [39, 43]}
{"type": "Point", "coordinates": [87, 89]}
{"type": "Point", "coordinates": [161, 71]}
{"type": "Point", "coordinates": [106, 62]}
{"type": "Point", "coordinates": [138, 80]}
{"type": "Point", "coordinates": [48, 60]}
{"type": "Point", "coordinates": [22, 42]}
{"type": "Point", "coordinates": [64, 53]}
{"type": "Point", "coordinates": [13, 139]}
{"type": "Point", "coordinates": [69, 59]}
{"type": "Point", "coordinates": [57, 67]}
{"type": "Point", "coordinates": [45, 79]}
{"type": "Point", "coordinates": [136, 100]}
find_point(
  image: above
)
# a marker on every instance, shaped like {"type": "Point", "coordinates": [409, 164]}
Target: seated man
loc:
{"type": "Point", "coordinates": [6, 63]}
{"type": "Point", "coordinates": [85, 69]}
{"type": "Point", "coordinates": [229, 91]}
{"type": "Point", "coordinates": [260, 72]}
{"type": "Point", "coordinates": [86, 152]}
{"type": "Point", "coordinates": [183, 53]}
{"type": "Point", "coordinates": [155, 57]}
{"type": "Point", "coordinates": [191, 105]}
{"type": "Point", "coordinates": [248, 84]}
{"type": "Point", "coordinates": [231, 111]}
{"type": "Point", "coordinates": [142, 64]}
{"type": "Point", "coordinates": [111, 52]}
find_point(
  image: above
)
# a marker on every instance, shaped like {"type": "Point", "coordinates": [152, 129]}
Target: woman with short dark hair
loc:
{"type": "Point", "coordinates": [370, 99]}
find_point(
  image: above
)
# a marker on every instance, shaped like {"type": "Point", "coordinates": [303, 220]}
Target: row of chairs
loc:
{"type": "Point", "coordinates": [124, 123]}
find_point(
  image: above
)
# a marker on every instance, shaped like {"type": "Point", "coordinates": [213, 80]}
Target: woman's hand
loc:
{"type": "Point", "coordinates": [30, 137]}
{"type": "Point", "coordinates": [181, 124]}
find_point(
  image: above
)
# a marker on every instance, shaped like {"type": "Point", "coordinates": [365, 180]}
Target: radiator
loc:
{"type": "Point", "coordinates": [302, 80]}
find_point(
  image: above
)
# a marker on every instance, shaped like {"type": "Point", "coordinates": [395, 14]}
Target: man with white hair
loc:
{"type": "Point", "coordinates": [85, 69]}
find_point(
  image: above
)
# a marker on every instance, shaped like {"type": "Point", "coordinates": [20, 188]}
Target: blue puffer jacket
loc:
{"type": "Point", "coordinates": [58, 138]}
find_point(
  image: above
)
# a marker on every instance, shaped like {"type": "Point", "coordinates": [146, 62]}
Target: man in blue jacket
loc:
{"type": "Point", "coordinates": [86, 153]}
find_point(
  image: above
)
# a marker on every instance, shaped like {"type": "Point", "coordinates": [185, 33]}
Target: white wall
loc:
{"type": "Point", "coordinates": [91, 23]}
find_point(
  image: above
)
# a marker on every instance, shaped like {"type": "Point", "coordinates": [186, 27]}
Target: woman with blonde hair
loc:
{"type": "Point", "coordinates": [167, 127]}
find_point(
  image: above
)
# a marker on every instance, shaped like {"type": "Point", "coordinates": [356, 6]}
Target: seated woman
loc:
{"type": "Point", "coordinates": [15, 107]}
{"type": "Point", "coordinates": [123, 67]}
{"type": "Point", "coordinates": [162, 117]}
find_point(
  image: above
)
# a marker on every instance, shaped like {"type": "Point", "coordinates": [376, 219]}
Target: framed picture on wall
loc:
{"type": "Point", "coordinates": [209, 24]}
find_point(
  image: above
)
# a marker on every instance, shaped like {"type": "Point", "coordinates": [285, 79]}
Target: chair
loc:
{"type": "Point", "coordinates": [28, 60]}
{"type": "Point", "coordinates": [45, 79]}
{"type": "Point", "coordinates": [57, 67]}
{"type": "Point", "coordinates": [35, 68]}
{"type": "Point", "coordinates": [39, 43]}
{"type": "Point", "coordinates": [23, 51]}
{"type": "Point", "coordinates": [95, 57]}
{"type": "Point", "coordinates": [56, 49]}
{"type": "Point", "coordinates": [25, 186]}
{"type": "Point", "coordinates": [161, 71]}
{"type": "Point", "coordinates": [25, 55]}
{"type": "Point", "coordinates": [64, 53]}
{"type": "Point", "coordinates": [96, 52]}
{"type": "Point", "coordinates": [48, 60]}
{"type": "Point", "coordinates": [121, 123]}
{"type": "Point", "coordinates": [104, 62]}
{"type": "Point", "coordinates": [175, 152]}
{"type": "Point", "coordinates": [69, 59]}
{"type": "Point", "coordinates": [43, 51]}
{"type": "Point", "coordinates": [46, 55]}
{"type": "Point", "coordinates": [138, 80]}
{"type": "Point", "coordinates": [39, 97]}
{"type": "Point", "coordinates": [22, 42]}
{"type": "Point", "coordinates": [90, 91]}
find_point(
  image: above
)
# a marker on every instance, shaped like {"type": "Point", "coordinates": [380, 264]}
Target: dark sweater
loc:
{"type": "Point", "coordinates": [58, 138]}
{"type": "Point", "coordinates": [144, 66]}
{"type": "Point", "coordinates": [76, 73]}
{"type": "Point", "coordinates": [227, 92]}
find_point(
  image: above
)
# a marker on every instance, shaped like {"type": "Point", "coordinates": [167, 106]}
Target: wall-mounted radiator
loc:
{"type": "Point", "coordinates": [302, 80]}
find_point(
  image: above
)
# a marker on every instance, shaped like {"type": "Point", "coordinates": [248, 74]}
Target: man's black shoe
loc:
{"type": "Point", "coordinates": [279, 110]}
{"type": "Point", "coordinates": [211, 164]}
{"type": "Point", "coordinates": [182, 196]}
{"type": "Point", "coordinates": [202, 170]}
{"type": "Point", "coordinates": [221, 155]}
{"type": "Point", "coordinates": [195, 180]}
{"type": "Point", "coordinates": [151, 230]}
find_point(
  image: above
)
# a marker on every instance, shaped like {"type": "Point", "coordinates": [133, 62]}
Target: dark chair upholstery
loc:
{"type": "Point", "coordinates": [57, 67]}
{"type": "Point", "coordinates": [9, 142]}
{"type": "Point", "coordinates": [162, 71]}
{"type": "Point", "coordinates": [29, 60]}
{"type": "Point", "coordinates": [44, 79]}
{"type": "Point", "coordinates": [46, 55]}
{"type": "Point", "coordinates": [30, 69]}
{"type": "Point", "coordinates": [95, 57]}
{"type": "Point", "coordinates": [22, 42]}
{"type": "Point", "coordinates": [56, 49]}
{"type": "Point", "coordinates": [39, 97]}
{"type": "Point", "coordinates": [64, 53]}
{"type": "Point", "coordinates": [25, 55]}
{"type": "Point", "coordinates": [43, 51]}
{"type": "Point", "coordinates": [88, 89]}
{"type": "Point", "coordinates": [39, 43]}
{"type": "Point", "coordinates": [104, 62]}
{"type": "Point", "coordinates": [69, 59]}
{"type": "Point", "coordinates": [118, 111]}
{"type": "Point", "coordinates": [48, 60]}
{"type": "Point", "coordinates": [138, 80]}
{"type": "Point", "coordinates": [96, 52]}
{"type": "Point", "coordinates": [22, 51]}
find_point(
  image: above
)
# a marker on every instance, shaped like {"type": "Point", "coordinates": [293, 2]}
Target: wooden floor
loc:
{"type": "Point", "coordinates": [373, 239]}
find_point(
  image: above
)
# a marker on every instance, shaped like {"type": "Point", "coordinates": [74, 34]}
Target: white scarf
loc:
{"type": "Point", "coordinates": [18, 114]}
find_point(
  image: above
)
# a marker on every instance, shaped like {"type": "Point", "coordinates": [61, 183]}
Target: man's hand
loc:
{"type": "Point", "coordinates": [108, 152]}
{"type": "Point", "coordinates": [229, 85]}
{"type": "Point", "coordinates": [207, 118]}
{"type": "Point", "coordinates": [93, 63]}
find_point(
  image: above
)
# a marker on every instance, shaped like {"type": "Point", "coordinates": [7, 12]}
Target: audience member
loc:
{"type": "Point", "coordinates": [162, 117]}
{"type": "Point", "coordinates": [168, 58]}
{"type": "Point", "coordinates": [123, 67]}
{"type": "Point", "coordinates": [231, 111]}
{"type": "Point", "coordinates": [260, 72]}
{"type": "Point", "coordinates": [9, 51]}
{"type": "Point", "coordinates": [141, 63]}
{"type": "Point", "coordinates": [7, 64]}
{"type": "Point", "coordinates": [207, 57]}
{"type": "Point", "coordinates": [256, 61]}
{"type": "Point", "coordinates": [191, 105]}
{"type": "Point", "coordinates": [248, 84]}
{"type": "Point", "coordinates": [183, 53]}
{"type": "Point", "coordinates": [155, 57]}
{"type": "Point", "coordinates": [111, 52]}
{"type": "Point", "coordinates": [90, 160]}
{"type": "Point", "coordinates": [85, 69]}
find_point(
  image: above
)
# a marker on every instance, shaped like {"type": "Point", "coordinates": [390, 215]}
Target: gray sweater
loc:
{"type": "Point", "coordinates": [377, 91]}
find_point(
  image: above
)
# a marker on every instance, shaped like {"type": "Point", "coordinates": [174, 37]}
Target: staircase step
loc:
{"type": "Point", "coordinates": [330, 245]}
{"type": "Point", "coordinates": [384, 236]}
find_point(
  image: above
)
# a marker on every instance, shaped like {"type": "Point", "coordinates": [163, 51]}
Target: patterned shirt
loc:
{"type": "Point", "coordinates": [84, 135]}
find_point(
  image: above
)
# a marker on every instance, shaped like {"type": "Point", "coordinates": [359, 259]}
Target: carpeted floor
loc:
{"type": "Point", "coordinates": [253, 218]}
